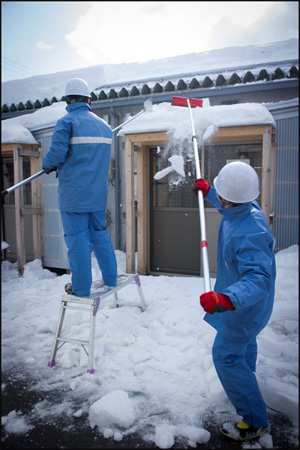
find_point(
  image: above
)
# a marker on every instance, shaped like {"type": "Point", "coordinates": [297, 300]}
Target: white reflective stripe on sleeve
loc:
{"type": "Point", "coordinates": [90, 140]}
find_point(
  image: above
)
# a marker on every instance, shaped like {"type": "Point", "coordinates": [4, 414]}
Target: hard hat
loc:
{"type": "Point", "coordinates": [237, 182]}
{"type": "Point", "coordinates": [77, 86]}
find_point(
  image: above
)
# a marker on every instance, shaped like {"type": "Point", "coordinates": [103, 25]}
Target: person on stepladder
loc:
{"type": "Point", "coordinates": [80, 152]}
{"type": "Point", "coordinates": [242, 301]}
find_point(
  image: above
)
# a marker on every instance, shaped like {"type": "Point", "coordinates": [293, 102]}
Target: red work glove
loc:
{"type": "Point", "coordinates": [202, 185]}
{"type": "Point", "coordinates": [212, 302]}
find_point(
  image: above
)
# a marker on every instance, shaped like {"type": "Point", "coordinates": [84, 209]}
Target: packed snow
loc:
{"type": "Point", "coordinates": [154, 373]}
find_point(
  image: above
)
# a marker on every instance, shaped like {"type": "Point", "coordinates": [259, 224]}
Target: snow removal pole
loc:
{"type": "Point", "coordinates": [147, 107]}
{"type": "Point", "coordinates": [193, 103]}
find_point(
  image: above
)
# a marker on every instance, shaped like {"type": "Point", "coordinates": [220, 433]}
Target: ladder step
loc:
{"type": "Point", "coordinates": [73, 341]}
{"type": "Point", "coordinates": [76, 308]}
{"type": "Point", "coordinates": [101, 291]}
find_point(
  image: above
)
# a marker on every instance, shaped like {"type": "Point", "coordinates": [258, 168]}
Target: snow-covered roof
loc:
{"type": "Point", "coordinates": [16, 133]}
{"type": "Point", "coordinates": [163, 117]}
{"type": "Point", "coordinates": [19, 129]}
{"type": "Point", "coordinates": [176, 120]}
{"type": "Point", "coordinates": [212, 69]}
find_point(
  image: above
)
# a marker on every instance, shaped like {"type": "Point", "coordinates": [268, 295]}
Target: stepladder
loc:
{"type": "Point", "coordinates": [99, 292]}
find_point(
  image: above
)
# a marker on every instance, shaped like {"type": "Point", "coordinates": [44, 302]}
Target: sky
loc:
{"type": "Point", "coordinates": [48, 37]}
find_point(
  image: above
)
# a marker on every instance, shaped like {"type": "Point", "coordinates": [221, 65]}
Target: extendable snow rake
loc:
{"type": "Point", "coordinates": [193, 103]}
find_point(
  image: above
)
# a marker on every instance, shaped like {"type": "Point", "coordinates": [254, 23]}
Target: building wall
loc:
{"type": "Point", "coordinates": [286, 189]}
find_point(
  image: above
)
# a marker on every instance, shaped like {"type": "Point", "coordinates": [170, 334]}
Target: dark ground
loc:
{"type": "Point", "coordinates": [73, 433]}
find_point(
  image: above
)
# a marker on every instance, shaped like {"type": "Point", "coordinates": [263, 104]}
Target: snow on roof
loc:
{"type": "Point", "coordinates": [15, 133]}
{"type": "Point", "coordinates": [164, 117]}
{"type": "Point", "coordinates": [176, 120]}
{"type": "Point", "coordinates": [107, 75]}
{"type": "Point", "coordinates": [19, 129]}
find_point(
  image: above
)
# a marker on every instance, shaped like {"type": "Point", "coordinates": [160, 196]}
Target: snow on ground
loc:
{"type": "Point", "coordinates": [153, 370]}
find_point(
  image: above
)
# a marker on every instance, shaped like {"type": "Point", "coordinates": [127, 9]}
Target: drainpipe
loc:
{"type": "Point", "coordinates": [116, 122]}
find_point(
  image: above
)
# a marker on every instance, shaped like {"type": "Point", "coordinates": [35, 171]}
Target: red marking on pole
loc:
{"type": "Point", "coordinates": [204, 244]}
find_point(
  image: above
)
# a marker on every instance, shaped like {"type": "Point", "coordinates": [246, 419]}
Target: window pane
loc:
{"type": "Point", "coordinates": [175, 191]}
{"type": "Point", "coordinates": [8, 179]}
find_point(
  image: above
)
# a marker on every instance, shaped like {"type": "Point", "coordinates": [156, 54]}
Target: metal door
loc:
{"type": "Point", "coordinates": [174, 214]}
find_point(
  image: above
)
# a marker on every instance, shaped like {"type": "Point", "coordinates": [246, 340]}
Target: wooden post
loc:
{"type": "Point", "coordinates": [130, 215]}
{"type": "Point", "coordinates": [266, 172]}
{"type": "Point", "coordinates": [142, 209]}
{"type": "Point", "coordinates": [36, 206]}
{"type": "Point", "coordinates": [273, 148]}
{"type": "Point", "coordinates": [20, 227]}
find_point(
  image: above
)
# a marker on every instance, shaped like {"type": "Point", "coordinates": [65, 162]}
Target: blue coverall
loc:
{"type": "Point", "coordinates": [246, 274]}
{"type": "Point", "coordinates": [80, 149]}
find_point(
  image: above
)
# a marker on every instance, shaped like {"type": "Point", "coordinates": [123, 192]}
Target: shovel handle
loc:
{"type": "Point", "coordinates": [22, 183]}
{"type": "Point", "coordinates": [204, 244]}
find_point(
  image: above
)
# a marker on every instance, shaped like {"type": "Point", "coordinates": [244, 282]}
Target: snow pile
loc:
{"type": "Point", "coordinates": [154, 373]}
{"type": "Point", "coordinates": [114, 409]}
{"type": "Point", "coordinates": [18, 130]}
{"type": "Point", "coordinates": [14, 422]}
{"type": "Point", "coordinates": [176, 120]}
{"type": "Point", "coordinates": [16, 133]}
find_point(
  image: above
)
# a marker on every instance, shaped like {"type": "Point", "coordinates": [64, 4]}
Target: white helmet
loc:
{"type": "Point", "coordinates": [237, 182]}
{"type": "Point", "coordinates": [77, 86]}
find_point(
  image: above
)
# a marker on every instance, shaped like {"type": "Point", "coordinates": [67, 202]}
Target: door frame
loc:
{"type": "Point", "coordinates": [136, 146]}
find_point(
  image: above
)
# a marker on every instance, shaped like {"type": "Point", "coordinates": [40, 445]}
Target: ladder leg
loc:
{"type": "Point", "coordinates": [115, 299]}
{"type": "Point", "coordinates": [62, 312]}
{"type": "Point", "coordinates": [141, 294]}
{"type": "Point", "coordinates": [92, 335]}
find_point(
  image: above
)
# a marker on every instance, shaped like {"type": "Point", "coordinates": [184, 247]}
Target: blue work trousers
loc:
{"type": "Point", "coordinates": [83, 233]}
{"type": "Point", "coordinates": [235, 363]}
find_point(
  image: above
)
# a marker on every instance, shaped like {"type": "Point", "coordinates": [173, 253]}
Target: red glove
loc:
{"type": "Point", "coordinates": [202, 185]}
{"type": "Point", "coordinates": [212, 302]}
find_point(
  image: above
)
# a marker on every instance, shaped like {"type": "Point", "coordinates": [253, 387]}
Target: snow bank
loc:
{"type": "Point", "coordinates": [154, 372]}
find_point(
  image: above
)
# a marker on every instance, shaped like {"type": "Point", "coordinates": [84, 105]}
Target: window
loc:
{"type": "Point", "coordinates": [8, 179]}
{"type": "Point", "coordinates": [175, 191]}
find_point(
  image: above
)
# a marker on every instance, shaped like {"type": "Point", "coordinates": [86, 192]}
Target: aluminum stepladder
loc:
{"type": "Point", "coordinates": [91, 304]}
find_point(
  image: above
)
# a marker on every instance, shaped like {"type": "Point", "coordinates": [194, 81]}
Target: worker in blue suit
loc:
{"type": "Point", "coordinates": [241, 304]}
{"type": "Point", "coordinates": [80, 152]}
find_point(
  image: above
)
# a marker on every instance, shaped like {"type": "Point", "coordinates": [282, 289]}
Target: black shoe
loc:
{"type": "Point", "coordinates": [68, 289]}
{"type": "Point", "coordinates": [242, 432]}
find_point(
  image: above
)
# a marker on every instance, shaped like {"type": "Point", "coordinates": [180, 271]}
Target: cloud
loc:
{"type": "Point", "coordinates": [43, 46]}
{"type": "Point", "coordinates": [126, 32]}
{"type": "Point", "coordinates": [277, 23]}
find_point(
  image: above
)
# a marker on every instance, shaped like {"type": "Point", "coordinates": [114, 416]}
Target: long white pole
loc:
{"type": "Point", "coordinates": [204, 244]}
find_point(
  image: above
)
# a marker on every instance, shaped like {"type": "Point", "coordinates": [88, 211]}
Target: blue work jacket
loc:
{"type": "Point", "coordinates": [246, 269]}
{"type": "Point", "coordinates": [80, 149]}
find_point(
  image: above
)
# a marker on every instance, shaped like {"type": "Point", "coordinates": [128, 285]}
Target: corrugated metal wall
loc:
{"type": "Point", "coordinates": [286, 189]}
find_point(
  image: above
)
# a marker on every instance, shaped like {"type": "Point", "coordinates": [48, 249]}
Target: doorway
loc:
{"type": "Point", "coordinates": [174, 237]}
